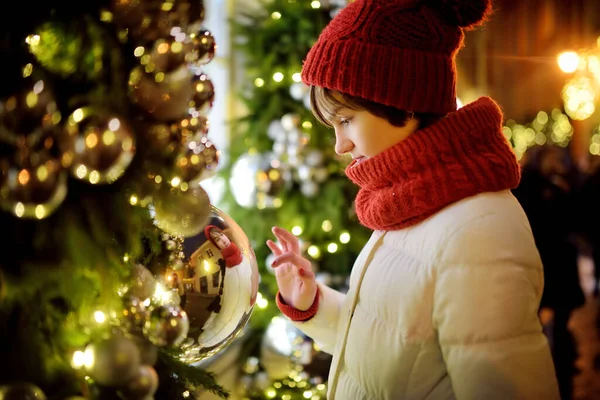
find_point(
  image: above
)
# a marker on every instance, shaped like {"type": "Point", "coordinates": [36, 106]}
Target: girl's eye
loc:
{"type": "Point", "coordinates": [345, 121]}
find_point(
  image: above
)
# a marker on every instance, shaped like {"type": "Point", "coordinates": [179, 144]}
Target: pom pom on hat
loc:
{"type": "Point", "coordinates": [467, 14]}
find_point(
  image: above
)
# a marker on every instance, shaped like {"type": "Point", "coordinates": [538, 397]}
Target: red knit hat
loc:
{"type": "Point", "coordinates": [400, 53]}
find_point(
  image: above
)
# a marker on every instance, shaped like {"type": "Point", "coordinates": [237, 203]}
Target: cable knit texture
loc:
{"type": "Point", "coordinates": [391, 51]}
{"type": "Point", "coordinates": [462, 155]}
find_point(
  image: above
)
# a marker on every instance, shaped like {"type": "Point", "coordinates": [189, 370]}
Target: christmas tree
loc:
{"type": "Point", "coordinates": [284, 172]}
{"type": "Point", "coordinates": [116, 273]}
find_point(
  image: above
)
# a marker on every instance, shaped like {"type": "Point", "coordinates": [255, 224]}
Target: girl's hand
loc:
{"type": "Point", "coordinates": [294, 274]}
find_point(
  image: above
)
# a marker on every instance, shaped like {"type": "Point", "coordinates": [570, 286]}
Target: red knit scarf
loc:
{"type": "Point", "coordinates": [460, 156]}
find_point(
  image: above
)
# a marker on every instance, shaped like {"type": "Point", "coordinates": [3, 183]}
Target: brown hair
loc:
{"type": "Point", "coordinates": [325, 105]}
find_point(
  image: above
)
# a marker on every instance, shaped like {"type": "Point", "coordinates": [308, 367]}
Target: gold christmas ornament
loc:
{"type": "Point", "coordinates": [116, 361]}
{"type": "Point", "coordinates": [147, 21]}
{"type": "Point", "coordinates": [21, 391]}
{"type": "Point", "coordinates": [97, 146]}
{"type": "Point", "coordinates": [203, 47]}
{"type": "Point", "coordinates": [198, 162]}
{"type": "Point", "coordinates": [25, 117]}
{"type": "Point", "coordinates": [220, 284]}
{"type": "Point", "coordinates": [165, 96]}
{"type": "Point", "coordinates": [181, 212]}
{"type": "Point", "coordinates": [143, 385]}
{"type": "Point", "coordinates": [203, 93]}
{"type": "Point", "coordinates": [35, 186]}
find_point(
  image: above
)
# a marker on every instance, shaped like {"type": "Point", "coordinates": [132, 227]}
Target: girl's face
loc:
{"type": "Point", "coordinates": [222, 241]}
{"type": "Point", "coordinates": [364, 135]}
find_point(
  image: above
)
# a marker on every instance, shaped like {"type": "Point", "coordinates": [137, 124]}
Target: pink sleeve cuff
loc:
{"type": "Point", "coordinates": [295, 314]}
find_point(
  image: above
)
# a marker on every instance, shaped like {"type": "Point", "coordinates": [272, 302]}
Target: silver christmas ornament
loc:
{"type": "Point", "coordinates": [221, 286]}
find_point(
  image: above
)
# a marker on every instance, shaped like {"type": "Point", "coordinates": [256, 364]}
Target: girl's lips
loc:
{"type": "Point", "coordinates": [357, 161]}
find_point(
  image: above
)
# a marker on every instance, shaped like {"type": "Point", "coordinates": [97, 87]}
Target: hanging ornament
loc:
{"type": "Point", "coordinates": [180, 212]}
{"type": "Point", "coordinates": [142, 386]}
{"type": "Point", "coordinates": [203, 46]}
{"type": "Point", "coordinates": [173, 252]}
{"type": "Point", "coordinates": [148, 351]}
{"type": "Point", "coordinates": [35, 185]}
{"type": "Point", "coordinates": [29, 115]}
{"type": "Point", "coordinates": [116, 361]}
{"type": "Point", "coordinates": [148, 21]}
{"type": "Point", "coordinates": [198, 163]}
{"type": "Point", "coordinates": [21, 391]}
{"type": "Point", "coordinates": [271, 179]}
{"type": "Point", "coordinates": [134, 315]}
{"type": "Point", "coordinates": [221, 286]}
{"type": "Point", "coordinates": [165, 96]}
{"type": "Point", "coordinates": [168, 139]}
{"type": "Point", "coordinates": [204, 94]}
{"type": "Point", "coordinates": [143, 283]}
{"type": "Point", "coordinates": [168, 326]}
{"type": "Point", "coordinates": [98, 145]}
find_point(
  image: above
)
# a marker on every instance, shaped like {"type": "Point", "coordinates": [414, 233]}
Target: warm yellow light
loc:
{"type": "Point", "coordinates": [258, 82]}
{"type": "Point", "coordinates": [345, 237]}
{"type": "Point", "coordinates": [332, 247]}
{"type": "Point", "coordinates": [99, 317]}
{"type": "Point", "coordinates": [278, 76]}
{"type": "Point", "coordinates": [296, 77]}
{"type": "Point", "coordinates": [314, 251]}
{"type": "Point", "coordinates": [297, 230]}
{"type": "Point", "coordinates": [276, 15]}
{"type": "Point", "coordinates": [568, 61]}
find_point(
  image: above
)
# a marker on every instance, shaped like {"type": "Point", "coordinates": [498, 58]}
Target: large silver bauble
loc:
{"type": "Point", "coordinates": [220, 286]}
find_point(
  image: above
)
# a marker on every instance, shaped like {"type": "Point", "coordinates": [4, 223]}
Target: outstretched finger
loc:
{"type": "Point", "coordinates": [274, 248]}
{"type": "Point", "coordinates": [293, 258]}
{"type": "Point", "coordinates": [288, 239]}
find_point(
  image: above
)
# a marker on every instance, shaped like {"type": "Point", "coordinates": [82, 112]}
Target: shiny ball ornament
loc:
{"type": "Point", "coordinates": [204, 93]}
{"type": "Point", "coordinates": [221, 286]}
{"type": "Point", "coordinates": [180, 212]}
{"type": "Point", "coordinates": [21, 391]}
{"type": "Point", "coordinates": [165, 97]}
{"type": "Point", "coordinates": [142, 386]}
{"type": "Point", "coordinates": [168, 326]}
{"type": "Point", "coordinates": [25, 117]}
{"type": "Point", "coordinates": [148, 351]}
{"type": "Point", "coordinates": [33, 188]}
{"type": "Point", "coordinates": [134, 315]}
{"type": "Point", "coordinates": [116, 361]}
{"type": "Point", "coordinates": [143, 283]}
{"type": "Point", "coordinates": [98, 145]}
{"type": "Point", "coordinates": [198, 163]}
{"type": "Point", "coordinates": [170, 53]}
{"type": "Point", "coordinates": [203, 47]}
{"type": "Point", "coordinates": [164, 139]}
{"type": "Point", "coordinates": [147, 21]}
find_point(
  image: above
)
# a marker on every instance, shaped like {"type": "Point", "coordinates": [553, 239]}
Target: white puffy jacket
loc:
{"type": "Point", "coordinates": [446, 309]}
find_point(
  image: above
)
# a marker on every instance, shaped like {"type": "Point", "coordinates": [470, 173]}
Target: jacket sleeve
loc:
{"type": "Point", "coordinates": [488, 288]}
{"type": "Point", "coordinates": [322, 327]}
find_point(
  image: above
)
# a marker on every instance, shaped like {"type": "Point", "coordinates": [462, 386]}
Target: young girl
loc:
{"type": "Point", "coordinates": [443, 299]}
